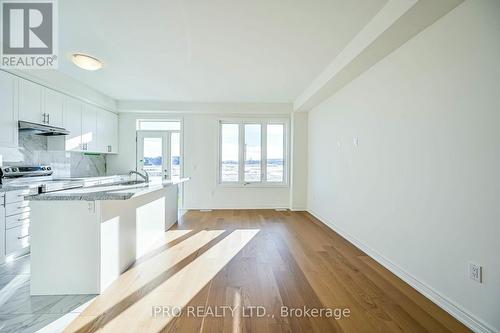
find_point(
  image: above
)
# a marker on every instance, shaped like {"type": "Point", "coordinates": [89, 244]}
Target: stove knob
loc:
{"type": "Point", "coordinates": [15, 169]}
{"type": "Point", "coordinates": [49, 168]}
{"type": "Point", "coordinates": [44, 168]}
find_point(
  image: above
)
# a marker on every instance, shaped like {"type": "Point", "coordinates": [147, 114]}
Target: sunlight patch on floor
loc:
{"type": "Point", "coordinates": [138, 276]}
{"type": "Point", "coordinates": [176, 291]}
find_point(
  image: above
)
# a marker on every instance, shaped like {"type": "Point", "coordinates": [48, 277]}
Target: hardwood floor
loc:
{"type": "Point", "coordinates": [237, 259]}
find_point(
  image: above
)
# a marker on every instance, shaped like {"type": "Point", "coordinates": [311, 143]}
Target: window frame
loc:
{"type": "Point", "coordinates": [138, 122]}
{"type": "Point", "coordinates": [241, 122]}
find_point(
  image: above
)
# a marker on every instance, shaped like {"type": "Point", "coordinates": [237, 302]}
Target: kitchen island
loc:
{"type": "Point", "coordinates": [82, 239]}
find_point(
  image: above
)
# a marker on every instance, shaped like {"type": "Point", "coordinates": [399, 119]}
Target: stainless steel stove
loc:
{"type": "Point", "coordinates": [38, 178]}
{"type": "Point", "coordinates": [12, 172]}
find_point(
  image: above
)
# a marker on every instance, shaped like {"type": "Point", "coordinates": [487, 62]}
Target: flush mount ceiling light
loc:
{"type": "Point", "coordinates": [86, 62]}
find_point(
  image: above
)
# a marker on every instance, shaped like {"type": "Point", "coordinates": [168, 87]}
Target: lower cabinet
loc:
{"type": "Point", "coordinates": [2, 227]}
{"type": "Point", "coordinates": [15, 218]}
{"type": "Point", "coordinates": [17, 238]}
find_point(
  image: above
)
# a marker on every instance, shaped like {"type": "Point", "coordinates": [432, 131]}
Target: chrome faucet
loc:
{"type": "Point", "coordinates": [145, 176]}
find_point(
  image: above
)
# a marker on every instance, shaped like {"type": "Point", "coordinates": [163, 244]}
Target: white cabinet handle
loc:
{"type": "Point", "coordinates": [23, 237]}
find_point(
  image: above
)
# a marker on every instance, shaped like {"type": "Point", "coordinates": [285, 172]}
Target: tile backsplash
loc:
{"type": "Point", "coordinates": [34, 150]}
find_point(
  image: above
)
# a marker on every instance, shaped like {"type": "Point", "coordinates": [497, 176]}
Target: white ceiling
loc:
{"type": "Point", "coordinates": [208, 51]}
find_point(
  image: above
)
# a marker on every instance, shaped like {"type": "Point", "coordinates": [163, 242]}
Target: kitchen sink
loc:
{"type": "Point", "coordinates": [133, 182]}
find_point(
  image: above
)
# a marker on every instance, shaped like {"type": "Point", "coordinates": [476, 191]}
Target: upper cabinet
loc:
{"type": "Point", "coordinates": [30, 102]}
{"type": "Point", "coordinates": [73, 123]}
{"type": "Point", "coordinates": [107, 132]}
{"type": "Point", "coordinates": [89, 128]}
{"type": "Point", "coordinates": [40, 105]}
{"type": "Point", "coordinates": [8, 110]}
{"type": "Point", "coordinates": [53, 107]}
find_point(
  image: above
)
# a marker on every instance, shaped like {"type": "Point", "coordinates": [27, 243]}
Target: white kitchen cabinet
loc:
{"type": "Point", "coordinates": [17, 238]}
{"type": "Point", "coordinates": [89, 128]}
{"type": "Point", "coordinates": [2, 227]}
{"type": "Point", "coordinates": [53, 107]}
{"type": "Point", "coordinates": [107, 132]}
{"type": "Point", "coordinates": [73, 123]}
{"type": "Point", "coordinates": [40, 105]}
{"type": "Point", "coordinates": [8, 110]}
{"type": "Point", "coordinates": [30, 102]}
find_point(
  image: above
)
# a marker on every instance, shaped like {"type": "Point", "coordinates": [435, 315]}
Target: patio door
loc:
{"type": "Point", "coordinates": [153, 154]}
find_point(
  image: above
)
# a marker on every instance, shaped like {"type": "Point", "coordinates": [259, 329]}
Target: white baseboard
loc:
{"type": "Point", "coordinates": [298, 209]}
{"type": "Point", "coordinates": [446, 304]}
{"type": "Point", "coordinates": [236, 208]}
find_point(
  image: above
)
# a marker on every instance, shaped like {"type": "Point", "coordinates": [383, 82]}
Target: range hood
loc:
{"type": "Point", "coordinates": [38, 129]}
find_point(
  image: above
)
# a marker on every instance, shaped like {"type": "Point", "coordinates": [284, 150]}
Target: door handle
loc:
{"type": "Point", "coordinates": [48, 118]}
{"type": "Point", "coordinates": [44, 118]}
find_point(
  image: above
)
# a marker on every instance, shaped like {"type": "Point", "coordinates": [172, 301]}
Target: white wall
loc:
{"type": "Point", "coordinates": [200, 148]}
{"type": "Point", "coordinates": [298, 171]}
{"type": "Point", "coordinates": [422, 189]}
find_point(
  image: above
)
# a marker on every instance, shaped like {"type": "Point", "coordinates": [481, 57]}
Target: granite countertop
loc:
{"type": "Point", "coordinates": [25, 183]}
{"type": "Point", "coordinates": [105, 192]}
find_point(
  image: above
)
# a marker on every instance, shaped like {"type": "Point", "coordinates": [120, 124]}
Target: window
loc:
{"type": "Point", "coordinates": [230, 154]}
{"type": "Point", "coordinates": [158, 125]}
{"type": "Point", "coordinates": [253, 155]}
{"type": "Point", "coordinates": [253, 152]}
{"type": "Point", "coordinates": [275, 153]}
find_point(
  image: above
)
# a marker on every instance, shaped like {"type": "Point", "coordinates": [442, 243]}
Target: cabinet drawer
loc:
{"type": "Point", "coordinates": [17, 220]}
{"type": "Point", "coordinates": [17, 208]}
{"type": "Point", "coordinates": [17, 238]}
{"type": "Point", "coordinates": [16, 196]}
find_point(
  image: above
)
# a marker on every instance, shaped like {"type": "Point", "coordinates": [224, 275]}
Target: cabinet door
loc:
{"type": "Point", "coordinates": [107, 131]}
{"type": "Point", "coordinates": [30, 102]}
{"type": "Point", "coordinates": [2, 222]}
{"type": "Point", "coordinates": [73, 123]}
{"type": "Point", "coordinates": [54, 107]}
{"type": "Point", "coordinates": [8, 111]}
{"type": "Point", "coordinates": [89, 128]}
{"type": "Point", "coordinates": [113, 125]}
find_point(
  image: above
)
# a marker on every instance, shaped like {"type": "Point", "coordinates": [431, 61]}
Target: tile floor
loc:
{"type": "Point", "coordinates": [20, 312]}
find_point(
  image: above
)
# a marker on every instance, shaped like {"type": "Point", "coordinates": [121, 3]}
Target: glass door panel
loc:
{"type": "Point", "coordinates": [153, 149]}
{"type": "Point", "coordinates": [175, 155]}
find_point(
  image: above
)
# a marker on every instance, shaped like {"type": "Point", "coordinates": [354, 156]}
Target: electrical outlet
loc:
{"type": "Point", "coordinates": [355, 141]}
{"type": "Point", "coordinates": [475, 272]}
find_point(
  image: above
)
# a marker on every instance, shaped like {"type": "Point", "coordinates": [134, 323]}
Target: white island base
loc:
{"type": "Point", "coordinates": [81, 247]}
